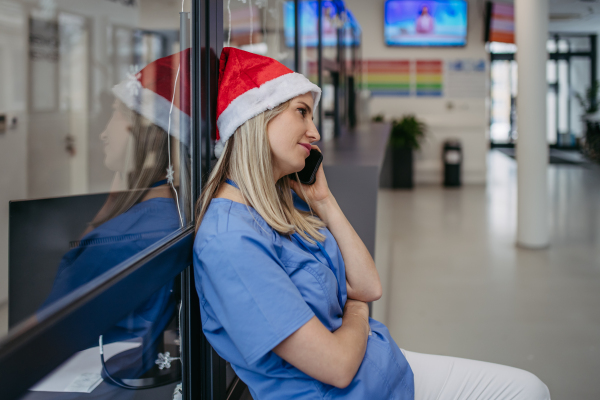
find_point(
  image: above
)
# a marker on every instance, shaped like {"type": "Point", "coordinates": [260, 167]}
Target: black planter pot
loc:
{"type": "Point", "coordinates": [592, 141]}
{"type": "Point", "coordinates": [402, 168]}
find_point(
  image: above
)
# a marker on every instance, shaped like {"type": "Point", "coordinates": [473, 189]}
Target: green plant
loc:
{"type": "Point", "coordinates": [377, 118]}
{"type": "Point", "coordinates": [408, 132]}
{"type": "Point", "coordinates": [590, 105]}
{"type": "Point", "coordinates": [590, 101]}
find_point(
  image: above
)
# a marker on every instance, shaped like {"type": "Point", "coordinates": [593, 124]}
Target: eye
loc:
{"type": "Point", "coordinates": [303, 111]}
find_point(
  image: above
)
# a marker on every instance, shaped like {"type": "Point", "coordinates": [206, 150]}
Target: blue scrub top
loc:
{"type": "Point", "coordinates": [107, 246]}
{"type": "Point", "coordinates": [257, 287]}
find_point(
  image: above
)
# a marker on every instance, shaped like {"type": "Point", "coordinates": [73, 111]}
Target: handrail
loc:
{"type": "Point", "coordinates": [42, 342]}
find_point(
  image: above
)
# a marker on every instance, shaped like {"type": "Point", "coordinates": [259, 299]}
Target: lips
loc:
{"type": "Point", "coordinates": [306, 146]}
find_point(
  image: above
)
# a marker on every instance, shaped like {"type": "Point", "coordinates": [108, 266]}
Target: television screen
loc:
{"type": "Point", "coordinates": [500, 23]}
{"type": "Point", "coordinates": [425, 23]}
{"type": "Point", "coordinates": [309, 24]}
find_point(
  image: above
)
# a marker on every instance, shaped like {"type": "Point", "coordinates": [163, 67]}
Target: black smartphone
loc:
{"type": "Point", "coordinates": [308, 175]}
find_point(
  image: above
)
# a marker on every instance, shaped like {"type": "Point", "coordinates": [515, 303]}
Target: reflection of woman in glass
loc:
{"type": "Point", "coordinates": [424, 21]}
{"type": "Point", "coordinates": [283, 278]}
{"type": "Point", "coordinates": [141, 207]}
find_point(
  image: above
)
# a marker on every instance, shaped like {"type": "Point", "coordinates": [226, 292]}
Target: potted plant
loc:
{"type": "Point", "coordinates": [406, 136]}
{"type": "Point", "coordinates": [377, 118]}
{"type": "Point", "coordinates": [590, 104]}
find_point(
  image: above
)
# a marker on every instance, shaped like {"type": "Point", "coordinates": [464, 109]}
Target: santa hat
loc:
{"type": "Point", "coordinates": [151, 91]}
{"type": "Point", "coordinates": [250, 84]}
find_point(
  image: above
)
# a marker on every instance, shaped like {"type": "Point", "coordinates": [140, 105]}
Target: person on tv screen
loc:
{"type": "Point", "coordinates": [424, 21]}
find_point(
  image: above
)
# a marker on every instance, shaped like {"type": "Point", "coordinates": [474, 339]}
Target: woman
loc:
{"type": "Point", "coordinates": [284, 280]}
{"type": "Point", "coordinates": [141, 209]}
{"type": "Point", "coordinates": [424, 22]}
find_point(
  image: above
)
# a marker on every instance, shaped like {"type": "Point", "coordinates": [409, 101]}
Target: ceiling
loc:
{"type": "Point", "coordinates": [574, 15]}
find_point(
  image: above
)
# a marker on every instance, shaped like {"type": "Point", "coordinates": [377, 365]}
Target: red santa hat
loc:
{"type": "Point", "coordinates": [151, 91]}
{"type": "Point", "coordinates": [250, 84]}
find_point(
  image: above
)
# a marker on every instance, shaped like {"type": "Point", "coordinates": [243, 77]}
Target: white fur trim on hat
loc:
{"type": "Point", "coordinates": [155, 108]}
{"type": "Point", "coordinates": [257, 100]}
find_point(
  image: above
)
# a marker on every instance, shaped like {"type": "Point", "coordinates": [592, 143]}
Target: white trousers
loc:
{"type": "Point", "coordinates": [445, 378]}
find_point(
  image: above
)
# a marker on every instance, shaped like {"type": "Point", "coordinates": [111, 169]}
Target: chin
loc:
{"type": "Point", "coordinates": [299, 166]}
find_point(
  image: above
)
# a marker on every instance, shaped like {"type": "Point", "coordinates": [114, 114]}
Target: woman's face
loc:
{"type": "Point", "coordinates": [115, 137]}
{"type": "Point", "coordinates": [290, 135]}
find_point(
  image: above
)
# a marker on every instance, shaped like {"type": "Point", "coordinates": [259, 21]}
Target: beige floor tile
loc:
{"type": "Point", "coordinates": [456, 284]}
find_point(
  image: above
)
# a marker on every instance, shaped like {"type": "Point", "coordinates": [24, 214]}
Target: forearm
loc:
{"type": "Point", "coordinates": [330, 357]}
{"type": "Point", "coordinates": [361, 274]}
{"type": "Point", "coordinates": [352, 341]}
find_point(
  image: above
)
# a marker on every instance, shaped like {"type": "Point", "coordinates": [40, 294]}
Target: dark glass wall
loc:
{"type": "Point", "coordinates": [108, 167]}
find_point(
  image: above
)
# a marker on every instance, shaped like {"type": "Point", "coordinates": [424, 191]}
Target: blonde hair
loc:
{"type": "Point", "coordinates": [146, 164]}
{"type": "Point", "coordinates": [247, 160]}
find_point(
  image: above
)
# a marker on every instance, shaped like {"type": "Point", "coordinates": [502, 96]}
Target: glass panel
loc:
{"type": "Point", "coordinates": [563, 100]}
{"type": "Point", "coordinates": [263, 27]}
{"type": "Point", "coordinates": [580, 72]}
{"type": "Point", "coordinates": [328, 104]}
{"type": "Point", "coordinates": [551, 101]}
{"type": "Point", "coordinates": [500, 48]}
{"type": "Point", "coordinates": [578, 44]}
{"type": "Point", "coordinates": [501, 102]}
{"type": "Point", "coordinates": [331, 22]}
{"type": "Point", "coordinates": [309, 41]}
{"type": "Point", "coordinates": [98, 154]}
{"type": "Point", "coordinates": [139, 352]}
{"type": "Point", "coordinates": [563, 46]}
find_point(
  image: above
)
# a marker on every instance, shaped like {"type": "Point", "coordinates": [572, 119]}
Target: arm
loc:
{"type": "Point", "coordinates": [362, 279]}
{"type": "Point", "coordinates": [330, 357]}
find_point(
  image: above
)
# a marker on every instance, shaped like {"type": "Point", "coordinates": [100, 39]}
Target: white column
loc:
{"type": "Point", "coordinates": [531, 30]}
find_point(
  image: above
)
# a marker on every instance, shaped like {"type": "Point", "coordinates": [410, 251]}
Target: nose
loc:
{"type": "Point", "coordinates": [313, 133]}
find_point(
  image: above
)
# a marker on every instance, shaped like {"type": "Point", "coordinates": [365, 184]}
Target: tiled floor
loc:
{"type": "Point", "coordinates": [456, 284]}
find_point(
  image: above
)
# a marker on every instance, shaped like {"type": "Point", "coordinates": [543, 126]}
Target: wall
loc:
{"type": "Point", "coordinates": [13, 142]}
{"type": "Point", "coordinates": [465, 119]}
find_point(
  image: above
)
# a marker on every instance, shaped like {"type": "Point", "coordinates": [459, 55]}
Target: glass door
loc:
{"type": "Point", "coordinates": [570, 71]}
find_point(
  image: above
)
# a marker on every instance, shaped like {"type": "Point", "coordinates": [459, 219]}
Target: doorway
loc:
{"type": "Point", "coordinates": [570, 71]}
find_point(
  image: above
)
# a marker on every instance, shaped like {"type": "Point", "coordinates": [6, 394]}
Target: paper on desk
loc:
{"type": "Point", "coordinates": [81, 372]}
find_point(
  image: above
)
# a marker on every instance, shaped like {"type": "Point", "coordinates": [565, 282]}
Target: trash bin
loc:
{"type": "Point", "coordinates": [452, 162]}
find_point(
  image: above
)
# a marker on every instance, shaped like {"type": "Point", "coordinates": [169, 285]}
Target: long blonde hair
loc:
{"type": "Point", "coordinates": [148, 164]}
{"type": "Point", "coordinates": [247, 160]}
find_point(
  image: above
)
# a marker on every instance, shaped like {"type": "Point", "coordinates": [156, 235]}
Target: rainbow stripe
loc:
{"type": "Point", "coordinates": [429, 77]}
{"type": "Point", "coordinates": [502, 25]}
{"type": "Point", "coordinates": [387, 77]}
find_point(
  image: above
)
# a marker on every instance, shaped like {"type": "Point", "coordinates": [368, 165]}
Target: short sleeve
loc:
{"type": "Point", "coordinates": [249, 291]}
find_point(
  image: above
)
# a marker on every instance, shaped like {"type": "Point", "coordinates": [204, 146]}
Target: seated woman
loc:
{"type": "Point", "coordinates": [140, 209]}
{"type": "Point", "coordinates": [283, 278]}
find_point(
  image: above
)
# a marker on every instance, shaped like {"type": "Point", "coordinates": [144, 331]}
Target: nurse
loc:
{"type": "Point", "coordinates": [283, 278]}
{"type": "Point", "coordinates": [141, 208]}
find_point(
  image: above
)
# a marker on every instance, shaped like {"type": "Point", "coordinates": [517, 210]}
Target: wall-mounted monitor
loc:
{"type": "Point", "coordinates": [500, 23]}
{"type": "Point", "coordinates": [416, 23]}
{"type": "Point", "coordinates": [309, 24]}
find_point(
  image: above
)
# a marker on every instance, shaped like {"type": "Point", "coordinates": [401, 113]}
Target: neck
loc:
{"type": "Point", "coordinates": [277, 175]}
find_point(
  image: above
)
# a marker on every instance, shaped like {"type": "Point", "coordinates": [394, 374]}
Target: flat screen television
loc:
{"type": "Point", "coordinates": [415, 23]}
{"type": "Point", "coordinates": [309, 24]}
{"type": "Point", "coordinates": [500, 22]}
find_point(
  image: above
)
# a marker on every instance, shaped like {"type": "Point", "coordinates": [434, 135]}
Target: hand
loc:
{"type": "Point", "coordinates": [318, 194]}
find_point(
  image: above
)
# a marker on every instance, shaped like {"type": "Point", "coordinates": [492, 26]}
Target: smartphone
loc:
{"type": "Point", "coordinates": [308, 175]}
